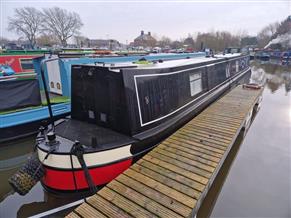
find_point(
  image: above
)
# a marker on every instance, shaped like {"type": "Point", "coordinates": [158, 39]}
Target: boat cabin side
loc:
{"type": "Point", "coordinates": [138, 98]}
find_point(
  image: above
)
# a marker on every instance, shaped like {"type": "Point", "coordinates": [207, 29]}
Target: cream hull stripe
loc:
{"type": "Point", "coordinates": [91, 159]}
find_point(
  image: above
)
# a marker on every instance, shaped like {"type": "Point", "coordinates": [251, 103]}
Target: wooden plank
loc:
{"type": "Point", "coordinates": [210, 129]}
{"type": "Point", "coordinates": [123, 203]}
{"type": "Point", "coordinates": [210, 133]}
{"type": "Point", "coordinates": [167, 181]}
{"type": "Point", "coordinates": [227, 114]}
{"type": "Point", "coordinates": [223, 111]}
{"type": "Point", "coordinates": [155, 195]}
{"type": "Point", "coordinates": [194, 157]}
{"type": "Point", "coordinates": [73, 215]}
{"type": "Point", "coordinates": [171, 174]}
{"type": "Point", "coordinates": [152, 206]}
{"type": "Point", "coordinates": [196, 152]}
{"type": "Point", "coordinates": [178, 196]}
{"type": "Point", "coordinates": [196, 146]}
{"type": "Point", "coordinates": [209, 126]}
{"type": "Point", "coordinates": [224, 120]}
{"type": "Point", "coordinates": [102, 205]}
{"type": "Point", "coordinates": [183, 165]}
{"type": "Point", "coordinates": [199, 144]}
{"type": "Point", "coordinates": [186, 160]}
{"type": "Point", "coordinates": [85, 210]}
{"type": "Point", "coordinates": [176, 169]}
{"type": "Point", "coordinates": [217, 125]}
{"type": "Point", "coordinates": [206, 135]}
{"type": "Point", "coordinates": [199, 138]}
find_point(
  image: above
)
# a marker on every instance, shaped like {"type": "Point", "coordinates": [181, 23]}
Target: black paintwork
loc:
{"type": "Point", "coordinates": [93, 136]}
{"type": "Point", "coordinates": [107, 98]}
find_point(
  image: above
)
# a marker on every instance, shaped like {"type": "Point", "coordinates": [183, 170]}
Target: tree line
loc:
{"type": "Point", "coordinates": [216, 40]}
{"type": "Point", "coordinates": [56, 25]}
{"type": "Point", "coordinates": [219, 40]}
{"type": "Point", "coordinates": [53, 22]}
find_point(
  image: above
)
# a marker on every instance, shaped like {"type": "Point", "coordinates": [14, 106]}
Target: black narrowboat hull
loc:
{"type": "Point", "coordinates": [108, 152]}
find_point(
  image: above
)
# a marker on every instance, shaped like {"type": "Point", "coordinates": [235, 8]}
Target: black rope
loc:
{"type": "Point", "coordinates": [78, 150]}
{"type": "Point", "coordinates": [41, 162]}
{"type": "Point", "coordinates": [73, 171]}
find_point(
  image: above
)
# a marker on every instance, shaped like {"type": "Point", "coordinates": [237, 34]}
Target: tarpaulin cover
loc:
{"type": "Point", "coordinates": [16, 94]}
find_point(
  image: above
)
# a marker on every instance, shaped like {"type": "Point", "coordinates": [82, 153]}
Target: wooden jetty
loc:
{"type": "Point", "coordinates": [173, 179]}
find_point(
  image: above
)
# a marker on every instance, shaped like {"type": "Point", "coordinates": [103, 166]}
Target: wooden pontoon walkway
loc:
{"type": "Point", "coordinates": [173, 179]}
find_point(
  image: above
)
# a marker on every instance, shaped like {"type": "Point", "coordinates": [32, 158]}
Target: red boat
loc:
{"type": "Point", "coordinates": [20, 61]}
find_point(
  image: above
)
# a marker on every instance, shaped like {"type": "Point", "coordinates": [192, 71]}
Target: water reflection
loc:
{"type": "Point", "coordinates": [12, 156]}
{"type": "Point", "coordinates": [274, 73]}
{"type": "Point", "coordinates": [257, 181]}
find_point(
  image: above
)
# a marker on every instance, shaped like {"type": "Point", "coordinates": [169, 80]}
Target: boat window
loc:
{"type": "Point", "coordinates": [58, 86]}
{"type": "Point", "coordinates": [26, 64]}
{"type": "Point", "coordinates": [195, 83]}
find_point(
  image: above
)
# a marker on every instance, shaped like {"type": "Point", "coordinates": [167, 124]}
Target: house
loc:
{"type": "Point", "coordinates": [145, 40]}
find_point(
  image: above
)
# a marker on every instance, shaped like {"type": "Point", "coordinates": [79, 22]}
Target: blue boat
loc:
{"type": "Point", "coordinates": [58, 70]}
{"type": "Point", "coordinates": [286, 56]}
{"type": "Point", "coordinates": [20, 120]}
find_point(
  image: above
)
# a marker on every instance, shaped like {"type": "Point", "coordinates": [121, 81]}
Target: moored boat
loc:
{"type": "Point", "coordinates": [286, 56]}
{"type": "Point", "coordinates": [25, 119]}
{"type": "Point", "coordinates": [262, 55]}
{"type": "Point", "coordinates": [120, 111]}
{"type": "Point", "coordinates": [20, 60]}
{"type": "Point", "coordinates": [23, 107]}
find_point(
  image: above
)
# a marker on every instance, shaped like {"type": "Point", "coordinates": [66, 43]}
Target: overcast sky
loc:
{"type": "Point", "coordinates": [123, 20]}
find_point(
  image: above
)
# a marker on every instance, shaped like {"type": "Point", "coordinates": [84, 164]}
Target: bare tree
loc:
{"type": "Point", "coordinates": [46, 40]}
{"type": "Point", "coordinates": [164, 41]}
{"type": "Point", "coordinates": [61, 23]}
{"type": "Point", "coordinates": [217, 41]}
{"type": "Point", "coordinates": [81, 41]}
{"type": "Point", "coordinates": [26, 21]}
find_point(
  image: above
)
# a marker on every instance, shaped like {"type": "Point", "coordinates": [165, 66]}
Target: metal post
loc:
{"type": "Point", "coordinates": [46, 92]}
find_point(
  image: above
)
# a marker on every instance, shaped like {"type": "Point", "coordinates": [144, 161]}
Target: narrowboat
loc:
{"type": "Point", "coordinates": [23, 108]}
{"type": "Point", "coordinates": [262, 55]}
{"type": "Point", "coordinates": [121, 111]}
{"type": "Point", "coordinates": [286, 56]}
{"type": "Point", "coordinates": [58, 69]}
{"type": "Point", "coordinates": [20, 60]}
{"type": "Point", "coordinates": [21, 120]}
{"type": "Point", "coordinates": [275, 54]}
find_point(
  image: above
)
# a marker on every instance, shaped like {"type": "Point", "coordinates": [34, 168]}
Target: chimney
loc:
{"type": "Point", "coordinates": [149, 33]}
{"type": "Point", "coordinates": [142, 32]}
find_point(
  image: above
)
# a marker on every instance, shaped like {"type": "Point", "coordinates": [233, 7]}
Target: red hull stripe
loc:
{"type": "Point", "coordinates": [64, 180]}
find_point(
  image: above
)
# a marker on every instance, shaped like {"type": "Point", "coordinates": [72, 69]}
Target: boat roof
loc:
{"type": "Point", "coordinates": [162, 64]}
{"type": "Point", "coordinates": [183, 62]}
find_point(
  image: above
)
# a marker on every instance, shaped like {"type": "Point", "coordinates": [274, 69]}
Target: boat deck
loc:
{"type": "Point", "coordinates": [173, 179]}
{"type": "Point", "coordinates": [105, 138]}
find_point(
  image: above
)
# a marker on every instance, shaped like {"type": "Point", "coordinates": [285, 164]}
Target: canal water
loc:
{"type": "Point", "coordinates": [255, 180]}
